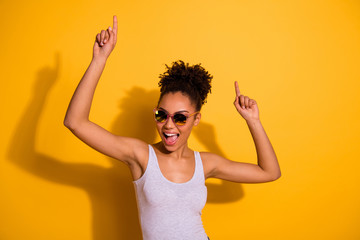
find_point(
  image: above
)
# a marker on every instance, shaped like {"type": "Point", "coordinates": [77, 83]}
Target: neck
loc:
{"type": "Point", "coordinates": [179, 153]}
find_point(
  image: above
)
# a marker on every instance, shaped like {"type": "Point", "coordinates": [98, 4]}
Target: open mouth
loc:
{"type": "Point", "coordinates": [171, 138]}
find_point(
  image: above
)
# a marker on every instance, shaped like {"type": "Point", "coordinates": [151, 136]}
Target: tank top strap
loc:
{"type": "Point", "coordinates": [149, 167]}
{"type": "Point", "coordinates": [152, 155]}
{"type": "Point", "coordinates": [199, 169]}
{"type": "Point", "coordinates": [152, 162]}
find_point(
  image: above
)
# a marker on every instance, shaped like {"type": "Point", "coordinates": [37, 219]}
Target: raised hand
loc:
{"type": "Point", "coordinates": [246, 106]}
{"type": "Point", "coordinates": [105, 41]}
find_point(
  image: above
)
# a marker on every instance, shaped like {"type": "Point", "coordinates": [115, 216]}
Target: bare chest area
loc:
{"type": "Point", "coordinates": [177, 170]}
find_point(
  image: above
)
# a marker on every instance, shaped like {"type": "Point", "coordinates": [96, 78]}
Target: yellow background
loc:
{"type": "Point", "coordinates": [298, 59]}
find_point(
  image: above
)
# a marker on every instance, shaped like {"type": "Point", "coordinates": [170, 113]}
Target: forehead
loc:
{"type": "Point", "coordinates": [174, 102]}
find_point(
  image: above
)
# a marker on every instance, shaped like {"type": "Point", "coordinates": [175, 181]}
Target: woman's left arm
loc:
{"type": "Point", "coordinates": [267, 168]}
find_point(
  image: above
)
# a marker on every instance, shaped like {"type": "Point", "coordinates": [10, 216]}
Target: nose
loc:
{"type": "Point", "coordinates": [169, 123]}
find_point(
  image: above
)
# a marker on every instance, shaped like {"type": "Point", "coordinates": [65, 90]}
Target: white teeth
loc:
{"type": "Point", "coordinates": [170, 134]}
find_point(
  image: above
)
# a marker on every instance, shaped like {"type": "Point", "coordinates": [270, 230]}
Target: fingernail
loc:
{"type": "Point", "coordinates": [110, 28]}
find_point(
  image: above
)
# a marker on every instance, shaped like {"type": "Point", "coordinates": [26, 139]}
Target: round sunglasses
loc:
{"type": "Point", "coordinates": [179, 119]}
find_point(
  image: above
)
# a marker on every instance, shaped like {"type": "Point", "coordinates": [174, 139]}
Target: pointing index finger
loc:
{"type": "Point", "coordinates": [237, 90]}
{"type": "Point", "coordinates": [115, 24]}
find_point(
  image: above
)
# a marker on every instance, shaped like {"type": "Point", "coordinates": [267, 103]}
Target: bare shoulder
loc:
{"type": "Point", "coordinates": [208, 156]}
{"type": "Point", "coordinates": [139, 156]}
{"type": "Point", "coordinates": [140, 149]}
{"type": "Point", "coordinates": [210, 162]}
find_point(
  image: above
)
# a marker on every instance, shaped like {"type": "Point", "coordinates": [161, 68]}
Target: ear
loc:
{"type": "Point", "coordinates": [197, 119]}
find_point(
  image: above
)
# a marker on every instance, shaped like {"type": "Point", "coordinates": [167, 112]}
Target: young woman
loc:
{"type": "Point", "coordinates": [169, 177]}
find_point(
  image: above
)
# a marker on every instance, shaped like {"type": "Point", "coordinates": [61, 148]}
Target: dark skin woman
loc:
{"type": "Point", "coordinates": [177, 112]}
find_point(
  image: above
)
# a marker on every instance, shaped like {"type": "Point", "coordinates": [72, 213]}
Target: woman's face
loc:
{"type": "Point", "coordinates": [172, 135]}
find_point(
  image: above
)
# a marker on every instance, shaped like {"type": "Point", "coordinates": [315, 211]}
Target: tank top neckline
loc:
{"type": "Point", "coordinates": [167, 180]}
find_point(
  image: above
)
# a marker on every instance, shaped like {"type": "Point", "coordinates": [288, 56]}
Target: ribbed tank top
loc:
{"type": "Point", "coordinates": [168, 210]}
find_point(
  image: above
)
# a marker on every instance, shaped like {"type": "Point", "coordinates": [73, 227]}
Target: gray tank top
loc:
{"type": "Point", "coordinates": [171, 210]}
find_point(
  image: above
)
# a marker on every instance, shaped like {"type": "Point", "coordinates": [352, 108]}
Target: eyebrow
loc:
{"type": "Point", "coordinates": [176, 111]}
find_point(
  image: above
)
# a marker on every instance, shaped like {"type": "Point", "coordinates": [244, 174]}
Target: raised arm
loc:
{"type": "Point", "coordinates": [267, 168]}
{"type": "Point", "coordinates": [77, 115]}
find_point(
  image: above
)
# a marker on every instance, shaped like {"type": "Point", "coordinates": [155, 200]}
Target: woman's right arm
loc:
{"type": "Point", "coordinates": [77, 115]}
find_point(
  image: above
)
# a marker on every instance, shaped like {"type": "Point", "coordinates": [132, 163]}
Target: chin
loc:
{"type": "Point", "coordinates": [171, 147]}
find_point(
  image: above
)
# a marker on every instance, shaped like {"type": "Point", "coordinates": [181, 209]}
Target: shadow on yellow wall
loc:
{"type": "Point", "coordinates": [225, 191]}
{"type": "Point", "coordinates": [110, 190]}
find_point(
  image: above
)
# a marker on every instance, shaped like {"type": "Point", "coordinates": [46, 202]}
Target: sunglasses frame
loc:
{"type": "Point", "coordinates": [172, 116]}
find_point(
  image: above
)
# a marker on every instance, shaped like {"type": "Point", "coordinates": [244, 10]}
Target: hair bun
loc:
{"type": "Point", "coordinates": [193, 80]}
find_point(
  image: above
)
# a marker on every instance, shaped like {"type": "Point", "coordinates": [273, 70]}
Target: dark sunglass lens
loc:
{"type": "Point", "coordinates": [180, 119]}
{"type": "Point", "coordinates": [160, 116]}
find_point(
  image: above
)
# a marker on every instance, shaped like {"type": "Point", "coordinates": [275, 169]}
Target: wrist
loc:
{"type": "Point", "coordinates": [253, 122]}
{"type": "Point", "coordinates": [99, 60]}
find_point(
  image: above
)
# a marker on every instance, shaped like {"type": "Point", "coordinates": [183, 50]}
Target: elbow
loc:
{"type": "Point", "coordinates": [275, 176]}
{"type": "Point", "coordinates": [68, 123]}
{"type": "Point", "coordinates": [73, 124]}
{"type": "Point", "coordinates": [271, 176]}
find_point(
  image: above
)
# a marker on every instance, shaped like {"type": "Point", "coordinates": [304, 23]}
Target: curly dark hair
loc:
{"type": "Point", "coordinates": [193, 81]}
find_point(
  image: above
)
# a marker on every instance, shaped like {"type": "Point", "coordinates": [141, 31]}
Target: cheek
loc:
{"type": "Point", "coordinates": [186, 130]}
